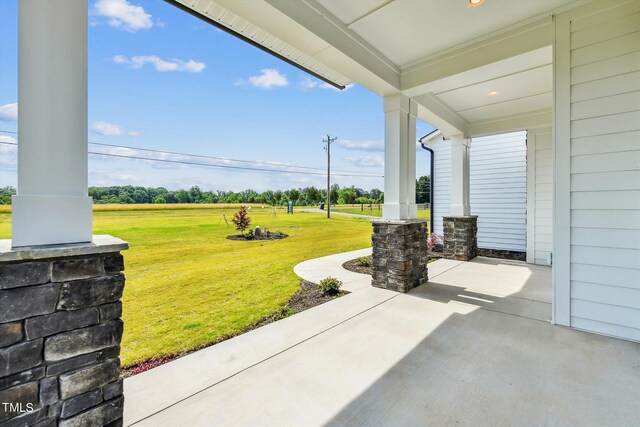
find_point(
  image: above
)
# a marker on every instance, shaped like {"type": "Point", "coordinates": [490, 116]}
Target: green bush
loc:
{"type": "Point", "coordinates": [279, 234]}
{"type": "Point", "coordinates": [329, 285]}
{"type": "Point", "coordinates": [363, 261]}
{"type": "Point", "coordinates": [249, 235]}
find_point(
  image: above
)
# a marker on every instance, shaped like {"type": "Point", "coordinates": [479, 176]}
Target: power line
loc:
{"type": "Point", "coordinates": [213, 166]}
{"type": "Point", "coordinates": [211, 157]}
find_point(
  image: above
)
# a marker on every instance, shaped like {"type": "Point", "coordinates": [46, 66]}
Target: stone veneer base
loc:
{"type": "Point", "coordinates": [460, 237]}
{"type": "Point", "coordinates": [60, 333]}
{"type": "Point", "coordinates": [400, 255]}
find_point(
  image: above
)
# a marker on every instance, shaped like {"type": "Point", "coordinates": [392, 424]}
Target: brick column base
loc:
{"type": "Point", "coordinates": [60, 333]}
{"type": "Point", "coordinates": [400, 255]}
{"type": "Point", "coordinates": [460, 237]}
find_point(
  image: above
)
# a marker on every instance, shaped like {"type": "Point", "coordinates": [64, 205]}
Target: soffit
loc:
{"type": "Point", "coordinates": [406, 31]}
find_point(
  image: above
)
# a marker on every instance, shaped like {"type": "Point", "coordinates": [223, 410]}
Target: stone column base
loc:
{"type": "Point", "coordinates": [460, 237]}
{"type": "Point", "coordinates": [400, 255]}
{"type": "Point", "coordinates": [60, 333]}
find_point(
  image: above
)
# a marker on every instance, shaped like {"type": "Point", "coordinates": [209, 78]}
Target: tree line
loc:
{"type": "Point", "coordinates": [129, 194]}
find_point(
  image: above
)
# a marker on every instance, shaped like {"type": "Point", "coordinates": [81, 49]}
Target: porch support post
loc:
{"type": "Point", "coordinates": [52, 205]}
{"type": "Point", "coordinates": [399, 239]}
{"type": "Point", "coordinates": [460, 176]}
{"type": "Point", "coordinates": [460, 227]}
{"type": "Point", "coordinates": [399, 157]}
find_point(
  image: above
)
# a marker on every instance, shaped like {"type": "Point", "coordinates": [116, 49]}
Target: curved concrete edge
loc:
{"type": "Point", "coordinates": [314, 270]}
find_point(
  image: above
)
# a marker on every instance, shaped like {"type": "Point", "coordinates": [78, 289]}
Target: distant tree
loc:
{"type": "Point", "coordinates": [375, 194]}
{"type": "Point", "coordinates": [159, 199]}
{"type": "Point", "coordinates": [423, 189]}
{"type": "Point", "coordinates": [241, 219]}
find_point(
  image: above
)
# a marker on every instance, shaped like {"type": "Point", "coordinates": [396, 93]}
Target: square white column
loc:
{"type": "Point", "coordinates": [399, 158]}
{"type": "Point", "coordinates": [460, 176]}
{"type": "Point", "coordinates": [52, 205]}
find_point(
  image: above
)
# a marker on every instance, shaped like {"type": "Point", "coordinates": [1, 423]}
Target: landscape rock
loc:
{"type": "Point", "coordinates": [10, 333]}
{"type": "Point", "coordinates": [98, 416]}
{"type": "Point", "coordinates": [82, 341]}
{"type": "Point", "coordinates": [91, 292]}
{"type": "Point", "coordinates": [23, 274]}
{"type": "Point", "coordinates": [257, 231]}
{"type": "Point", "coordinates": [26, 302]}
{"type": "Point", "coordinates": [76, 268]}
{"type": "Point", "coordinates": [78, 404]}
{"type": "Point", "coordinates": [20, 357]}
{"type": "Point", "coordinates": [61, 321]}
{"type": "Point", "coordinates": [88, 379]}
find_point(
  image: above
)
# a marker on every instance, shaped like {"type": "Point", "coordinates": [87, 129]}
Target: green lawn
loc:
{"type": "Point", "coordinates": [188, 286]}
{"type": "Point", "coordinates": [373, 212]}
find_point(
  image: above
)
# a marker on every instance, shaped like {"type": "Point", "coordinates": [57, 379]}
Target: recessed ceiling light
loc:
{"type": "Point", "coordinates": [474, 3]}
{"type": "Point", "coordinates": [494, 93]}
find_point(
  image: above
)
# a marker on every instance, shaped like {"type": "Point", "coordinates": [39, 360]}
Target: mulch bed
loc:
{"type": "Point", "coordinates": [352, 265]}
{"type": "Point", "coordinates": [307, 297]}
{"type": "Point", "coordinates": [270, 236]}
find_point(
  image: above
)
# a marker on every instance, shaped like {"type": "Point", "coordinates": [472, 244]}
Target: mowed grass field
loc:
{"type": "Point", "coordinates": [188, 286]}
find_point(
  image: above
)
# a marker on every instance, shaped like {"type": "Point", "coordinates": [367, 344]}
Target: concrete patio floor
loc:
{"type": "Point", "coordinates": [472, 347]}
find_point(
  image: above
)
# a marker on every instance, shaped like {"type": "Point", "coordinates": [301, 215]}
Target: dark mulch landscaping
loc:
{"type": "Point", "coordinates": [352, 265]}
{"type": "Point", "coordinates": [307, 297]}
{"type": "Point", "coordinates": [270, 236]}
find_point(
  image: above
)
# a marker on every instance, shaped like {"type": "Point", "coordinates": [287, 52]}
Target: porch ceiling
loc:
{"type": "Point", "coordinates": [472, 70]}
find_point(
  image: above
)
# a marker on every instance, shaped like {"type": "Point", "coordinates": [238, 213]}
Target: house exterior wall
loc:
{"type": "Point", "coordinates": [498, 189]}
{"type": "Point", "coordinates": [539, 196]}
{"type": "Point", "coordinates": [598, 119]}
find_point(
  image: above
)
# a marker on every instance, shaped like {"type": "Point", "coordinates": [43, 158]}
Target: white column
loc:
{"type": "Point", "coordinates": [52, 205]}
{"type": "Point", "coordinates": [399, 158]}
{"type": "Point", "coordinates": [460, 176]}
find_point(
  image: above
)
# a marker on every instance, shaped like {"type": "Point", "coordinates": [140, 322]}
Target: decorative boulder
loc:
{"type": "Point", "coordinates": [257, 231]}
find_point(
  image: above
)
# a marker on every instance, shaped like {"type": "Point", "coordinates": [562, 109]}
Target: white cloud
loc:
{"type": "Point", "coordinates": [362, 145]}
{"type": "Point", "coordinates": [160, 64]}
{"type": "Point", "coordinates": [9, 112]}
{"type": "Point", "coordinates": [268, 78]}
{"type": "Point", "coordinates": [307, 83]}
{"type": "Point", "coordinates": [123, 15]}
{"type": "Point", "coordinates": [109, 129]}
{"type": "Point", "coordinates": [374, 160]}
{"type": "Point", "coordinates": [8, 153]}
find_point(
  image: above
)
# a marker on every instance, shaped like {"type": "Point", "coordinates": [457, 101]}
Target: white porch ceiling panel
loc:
{"type": "Point", "coordinates": [406, 31]}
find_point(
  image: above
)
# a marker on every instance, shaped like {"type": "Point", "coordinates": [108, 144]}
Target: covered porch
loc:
{"type": "Point", "coordinates": [475, 344]}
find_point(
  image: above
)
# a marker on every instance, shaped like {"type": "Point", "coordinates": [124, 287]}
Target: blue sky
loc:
{"type": "Point", "coordinates": [161, 79]}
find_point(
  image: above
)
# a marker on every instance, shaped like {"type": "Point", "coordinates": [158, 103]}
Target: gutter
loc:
{"type": "Point", "coordinates": [431, 176]}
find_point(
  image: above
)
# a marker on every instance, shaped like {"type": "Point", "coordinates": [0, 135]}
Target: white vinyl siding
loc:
{"type": "Point", "coordinates": [540, 196]}
{"type": "Point", "coordinates": [498, 190]}
{"type": "Point", "coordinates": [605, 172]}
{"type": "Point", "coordinates": [441, 183]}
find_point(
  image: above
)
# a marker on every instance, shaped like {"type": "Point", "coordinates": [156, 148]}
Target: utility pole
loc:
{"type": "Point", "coordinates": [327, 148]}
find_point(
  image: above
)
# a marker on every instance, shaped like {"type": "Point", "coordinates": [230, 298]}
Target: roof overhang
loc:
{"type": "Point", "coordinates": [497, 79]}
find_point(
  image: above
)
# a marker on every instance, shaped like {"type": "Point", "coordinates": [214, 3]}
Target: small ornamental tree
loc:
{"type": "Point", "coordinates": [241, 219]}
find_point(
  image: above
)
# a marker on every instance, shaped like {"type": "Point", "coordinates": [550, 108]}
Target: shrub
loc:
{"type": "Point", "coordinates": [363, 261]}
{"type": "Point", "coordinates": [241, 219]}
{"type": "Point", "coordinates": [433, 241]}
{"type": "Point", "coordinates": [279, 234]}
{"type": "Point", "coordinates": [329, 285]}
{"type": "Point", "coordinates": [249, 235]}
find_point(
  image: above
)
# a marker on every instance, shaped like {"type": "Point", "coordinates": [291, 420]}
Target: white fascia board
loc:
{"type": "Point", "coordinates": [357, 59]}
{"type": "Point", "coordinates": [418, 78]}
{"type": "Point", "coordinates": [529, 120]}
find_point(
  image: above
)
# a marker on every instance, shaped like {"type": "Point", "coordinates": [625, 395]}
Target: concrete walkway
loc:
{"type": "Point", "coordinates": [317, 269]}
{"type": "Point", "coordinates": [472, 347]}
